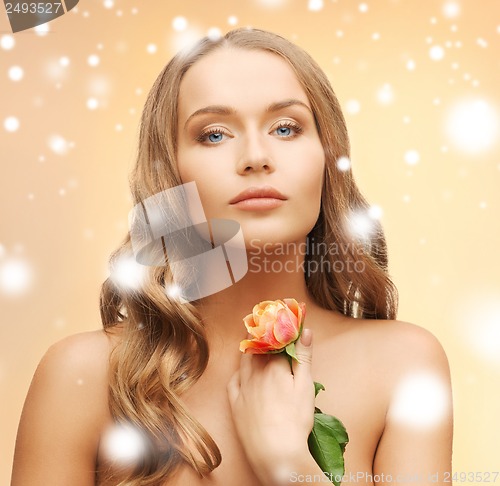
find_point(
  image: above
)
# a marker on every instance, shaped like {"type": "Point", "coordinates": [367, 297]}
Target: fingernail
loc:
{"type": "Point", "coordinates": [306, 337]}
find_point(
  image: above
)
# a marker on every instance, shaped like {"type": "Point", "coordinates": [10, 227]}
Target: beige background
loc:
{"type": "Point", "coordinates": [64, 205]}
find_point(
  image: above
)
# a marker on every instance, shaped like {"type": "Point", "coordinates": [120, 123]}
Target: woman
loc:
{"type": "Point", "coordinates": [253, 121]}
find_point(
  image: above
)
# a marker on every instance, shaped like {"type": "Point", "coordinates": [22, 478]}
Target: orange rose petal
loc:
{"type": "Point", "coordinates": [259, 309]}
{"type": "Point", "coordinates": [245, 344]}
{"type": "Point", "coordinates": [249, 324]}
{"type": "Point", "coordinates": [299, 309]}
{"type": "Point", "coordinates": [267, 320]}
{"type": "Point", "coordinates": [293, 305]}
{"type": "Point", "coordinates": [269, 317]}
{"type": "Point", "coordinates": [255, 347]}
{"type": "Point", "coordinates": [272, 341]}
{"type": "Point", "coordinates": [273, 325]}
{"type": "Point", "coordinates": [267, 336]}
{"type": "Point", "coordinates": [302, 306]}
{"type": "Point", "coordinates": [260, 331]}
{"type": "Point", "coordinates": [286, 329]}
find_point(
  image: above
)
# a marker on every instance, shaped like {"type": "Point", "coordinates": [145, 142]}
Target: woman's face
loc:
{"type": "Point", "coordinates": [244, 122]}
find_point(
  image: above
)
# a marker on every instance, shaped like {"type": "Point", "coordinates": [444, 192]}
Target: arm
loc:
{"type": "Point", "coordinates": [416, 445]}
{"type": "Point", "coordinates": [59, 430]}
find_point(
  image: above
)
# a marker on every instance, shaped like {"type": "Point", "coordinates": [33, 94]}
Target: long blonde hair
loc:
{"type": "Point", "coordinates": [163, 350]}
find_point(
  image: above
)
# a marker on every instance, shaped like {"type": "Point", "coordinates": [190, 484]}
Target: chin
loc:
{"type": "Point", "coordinates": [261, 231]}
{"type": "Point", "coordinates": [265, 240]}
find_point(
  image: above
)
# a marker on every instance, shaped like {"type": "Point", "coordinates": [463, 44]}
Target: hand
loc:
{"type": "Point", "coordinates": [273, 409]}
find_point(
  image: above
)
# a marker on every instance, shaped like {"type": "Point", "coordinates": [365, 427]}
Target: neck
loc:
{"type": "Point", "coordinates": [269, 277]}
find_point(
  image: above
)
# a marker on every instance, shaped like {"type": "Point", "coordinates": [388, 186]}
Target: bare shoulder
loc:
{"type": "Point", "coordinates": [393, 375]}
{"type": "Point", "coordinates": [391, 387]}
{"type": "Point", "coordinates": [64, 412]}
{"type": "Point", "coordinates": [79, 359]}
{"type": "Point", "coordinates": [405, 344]}
{"type": "Point", "coordinates": [90, 348]}
{"type": "Point", "coordinates": [389, 341]}
{"type": "Point", "coordinates": [77, 366]}
{"type": "Point", "coordinates": [391, 349]}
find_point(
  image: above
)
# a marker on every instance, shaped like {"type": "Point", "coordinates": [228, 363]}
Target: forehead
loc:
{"type": "Point", "coordinates": [248, 80]}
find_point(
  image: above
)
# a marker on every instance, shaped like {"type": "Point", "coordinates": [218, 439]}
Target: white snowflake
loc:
{"type": "Point", "coordinates": [436, 53]}
{"type": "Point", "coordinates": [92, 103]}
{"type": "Point", "coordinates": [451, 9]}
{"type": "Point", "coordinates": [412, 157]}
{"type": "Point", "coordinates": [16, 73]}
{"type": "Point", "coordinates": [58, 144]}
{"type": "Point", "coordinates": [7, 42]}
{"type": "Point", "coordinates": [42, 30]}
{"type": "Point", "coordinates": [15, 276]}
{"type": "Point", "coordinates": [128, 274]}
{"type": "Point", "coordinates": [353, 107]}
{"type": "Point", "coordinates": [473, 125]}
{"type": "Point", "coordinates": [343, 163]}
{"type": "Point", "coordinates": [315, 5]}
{"type": "Point", "coordinates": [11, 124]}
{"type": "Point", "coordinates": [93, 60]}
{"type": "Point", "coordinates": [410, 65]}
{"type": "Point", "coordinates": [124, 443]}
{"type": "Point", "coordinates": [214, 33]}
{"type": "Point", "coordinates": [272, 3]}
{"type": "Point", "coordinates": [179, 23]}
{"type": "Point", "coordinates": [375, 212]}
{"type": "Point", "coordinates": [385, 94]}
{"type": "Point", "coordinates": [482, 42]}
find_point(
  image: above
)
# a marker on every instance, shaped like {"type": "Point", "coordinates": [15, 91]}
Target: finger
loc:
{"type": "Point", "coordinates": [279, 361]}
{"type": "Point", "coordinates": [251, 363]}
{"type": "Point", "coordinates": [303, 351]}
{"type": "Point", "coordinates": [245, 367]}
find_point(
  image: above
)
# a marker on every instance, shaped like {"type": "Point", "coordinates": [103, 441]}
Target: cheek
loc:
{"type": "Point", "coordinates": [186, 169]}
{"type": "Point", "coordinates": [311, 178]}
{"type": "Point", "coordinates": [207, 179]}
{"type": "Point", "coordinates": [314, 190]}
{"type": "Point", "coordinates": [203, 165]}
{"type": "Point", "coordinates": [310, 185]}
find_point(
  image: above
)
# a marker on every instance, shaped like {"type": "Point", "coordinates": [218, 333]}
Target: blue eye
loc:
{"type": "Point", "coordinates": [284, 131]}
{"type": "Point", "coordinates": [288, 130]}
{"type": "Point", "coordinates": [215, 137]}
{"type": "Point", "coordinates": [212, 136]}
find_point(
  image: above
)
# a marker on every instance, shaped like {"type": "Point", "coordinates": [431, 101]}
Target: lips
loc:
{"type": "Point", "coordinates": [266, 192]}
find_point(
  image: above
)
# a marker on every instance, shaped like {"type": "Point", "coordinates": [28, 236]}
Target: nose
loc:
{"type": "Point", "coordinates": [255, 156]}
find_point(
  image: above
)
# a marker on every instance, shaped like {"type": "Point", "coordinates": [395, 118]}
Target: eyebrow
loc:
{"type": "Point", "coordinates": [228, 110]}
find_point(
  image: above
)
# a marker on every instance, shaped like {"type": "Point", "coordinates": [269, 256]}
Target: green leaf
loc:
{"type": "Point", "coordinates": [317, 388]}
{"type": "Point", "coordinates": [336, 427]}
{"type": "Point", "coordinates": [327, 442]}
{"type": "Point", "coordinates": [290, 350]}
